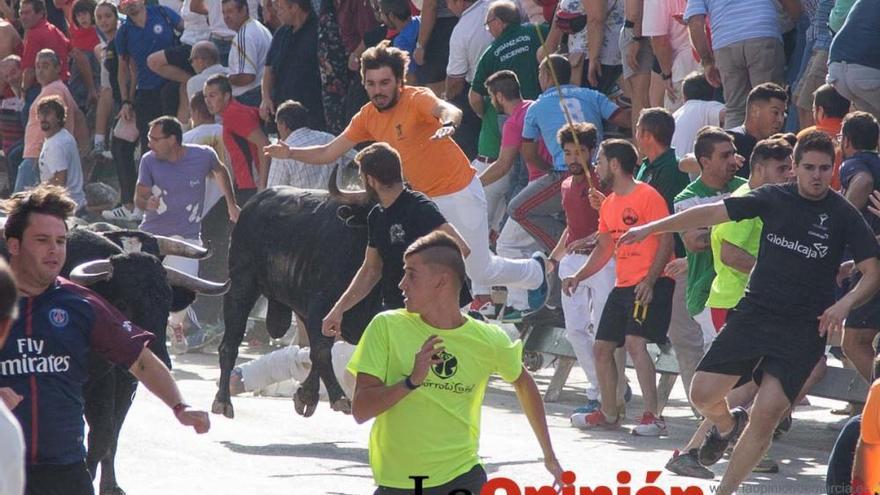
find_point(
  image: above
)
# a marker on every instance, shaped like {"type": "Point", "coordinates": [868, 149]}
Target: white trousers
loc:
{"type": "Point", "coordinates": [189, 266]}
{"type": "Point", "coordinates": [280, 372]}
{"type": "Point", "coordinates": [514, 242]}
{"type": "Point", "coordinates": [495, 193]}
{"type": "Point", "coordinates": [582, 311]}
{"type": "Point", "coordinates": [466, 211]}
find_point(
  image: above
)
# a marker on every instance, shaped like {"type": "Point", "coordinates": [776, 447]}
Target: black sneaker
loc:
{"type": "Point", "coordinates": [783, 427]}
{"type": "Point", "coordinates": [688, 464]}
{"type": "Point", "coordinates": [766, 465]}
{"type": "Point", "coordinates": [714, 446]}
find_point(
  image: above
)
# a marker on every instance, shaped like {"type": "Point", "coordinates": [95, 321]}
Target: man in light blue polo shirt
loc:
{"type": "Point", "coordinates": [746, 46]}
{"type": "Point", "coordinates": [538, 205]}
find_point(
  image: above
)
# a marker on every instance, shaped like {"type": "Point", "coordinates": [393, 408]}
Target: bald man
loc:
{"type": "Point", "coordinates": [205, 60]}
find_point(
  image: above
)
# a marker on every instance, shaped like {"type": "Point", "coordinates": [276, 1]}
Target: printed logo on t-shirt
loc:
{"type": "Point", "coordinates": [447, 367]}
{"type": "Point", "coordinates": [126, 325]}
{"type": "Point", "coordinates": [58, 317]}
{"type": "Point", "coordinates": [158, 29]}
{"type": "Point", "coordinates": [630, 216]}
{"type": "Point", "coordinates": [399, 129]}
{"type": "Point", "coordinates": [398, 235]}
{"type": "Point", "coordinates": [817, 250]}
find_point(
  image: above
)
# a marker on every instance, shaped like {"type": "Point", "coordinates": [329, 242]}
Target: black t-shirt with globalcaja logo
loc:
{"type": "Point", "coordinates": [802, 245]}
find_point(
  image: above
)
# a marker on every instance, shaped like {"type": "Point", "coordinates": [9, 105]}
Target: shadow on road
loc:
{"type": "Point", "coordinates": [318, 450]}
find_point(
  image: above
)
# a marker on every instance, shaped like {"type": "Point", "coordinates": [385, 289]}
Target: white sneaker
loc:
{"type": "Point", "coordinates": [650, 426]}
{"type": "Point", "coordinates": [123, 213]}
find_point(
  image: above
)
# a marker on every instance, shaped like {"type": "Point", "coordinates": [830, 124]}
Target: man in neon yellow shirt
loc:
{"type": "Point", "coordinates": [427, 408]}
{"type": "Point", "coordinates": [734, 251]}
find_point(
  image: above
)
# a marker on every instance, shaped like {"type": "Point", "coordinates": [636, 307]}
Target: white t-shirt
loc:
{"type": "Point", "coordinates": [468, 41]}
{"type": "Point", "coordinates": [59, 153]}
{"type": "Point", "coordinates": [197, 82]}
{"type": "Point", "coordinates": [210, 135]}
{"type": "Point", "coordinates": [658, 20]}
{"type": "Point", "coordinates": [689, 119]}
{"type": "Point", "coordinates": [195, 26]}
{"type": "Point", "coordinates": [215, 17]}
{"type": "Point", "coordinates": [248, 53]}
{"type": "Point", "coordinates": [11, 454]}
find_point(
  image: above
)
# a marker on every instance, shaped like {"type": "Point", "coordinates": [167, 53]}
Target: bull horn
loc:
{"type": "Point", "coordinates": [198, 285]}
{"type": "Point", "coordinates": [174, 247]}
{"type": "Point", "coordinates": [92, 272]}
{"type": "Point", "coordinates": [358, 198]}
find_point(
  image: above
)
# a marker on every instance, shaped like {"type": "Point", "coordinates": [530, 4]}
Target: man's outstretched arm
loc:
{"type": "Point", "coordinates": [692, 218]}
{"type": "Point", "coordinates": [316, 155]}
{"type": "Point", "coordinates": [150, 371]}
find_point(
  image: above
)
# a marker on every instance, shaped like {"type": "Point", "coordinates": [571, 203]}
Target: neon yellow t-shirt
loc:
{"type": "Point", "coordinates": [729, 284]}
{"type": "Point", "coordinates": [435, 430]}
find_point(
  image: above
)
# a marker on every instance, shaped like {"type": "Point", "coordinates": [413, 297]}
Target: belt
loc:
{"type": "Point", "coordinates": [484, 159]}
{"type": "Point", "coordinates": [216, 37]}
{"type": "Point", "coordinates": [583, 251]}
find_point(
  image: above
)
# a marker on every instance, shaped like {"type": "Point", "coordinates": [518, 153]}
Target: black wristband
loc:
{"type": "Point", "coordinates": [629, 24]}
{"type": "Point", "coordinates": [408, 383]}
{"type": "Point", "coordinates": [639, 38]}
{"type": "Point", "coordinates": [450, 124]}
{"type": "Point", "coordinates": [666, 77]}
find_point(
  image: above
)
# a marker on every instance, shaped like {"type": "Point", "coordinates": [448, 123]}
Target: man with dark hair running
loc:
{"type": "Point", "coordinates": [777, 332]}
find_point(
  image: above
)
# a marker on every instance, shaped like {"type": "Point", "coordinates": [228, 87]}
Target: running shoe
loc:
{"type": "Point", "coordinates": [122, 213]}
{"type": "Point", "coordinates": [511, 315]}
{"type": "Point", "coordinates": [537, 297]}
{"type": "Point", "coordinates": [713, 448]}
{"type": "Point", "coordinates": [484, 306]}
{"type": "Point", "coordinates": [592, 405]}
{"type": "Point", "coordinates": [650, 426]}
{"type": "Point", "coordinates": [688, 464]}
{"type": "Point", "coordinates": [593, 420]}
{"type": "Point", "coordinates": [783, 427]}
{"type": "Point", "coordinates": [766, 465]}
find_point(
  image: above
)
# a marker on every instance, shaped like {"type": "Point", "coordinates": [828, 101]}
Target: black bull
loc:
{"type": "Point", "coordinates": [125, 268]}
{"type": "Point", "coordinates": [291, 246]}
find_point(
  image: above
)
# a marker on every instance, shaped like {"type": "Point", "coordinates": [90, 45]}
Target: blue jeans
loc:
{"type": "Point", "coordinates": [838, 480]}
{"type": "Point", "coordinates": [28, 175]}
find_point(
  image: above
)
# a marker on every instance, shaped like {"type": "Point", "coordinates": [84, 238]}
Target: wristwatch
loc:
{"type": "Point", "coordinates": [179, 408]}
{"type": "Point", "coordinates": [666, 77]}
{"type": "Point", "coordinates": [408, 383]}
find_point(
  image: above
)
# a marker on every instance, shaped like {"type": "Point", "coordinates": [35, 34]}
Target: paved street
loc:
{"type": "Point", "coordinates": [268, 449]}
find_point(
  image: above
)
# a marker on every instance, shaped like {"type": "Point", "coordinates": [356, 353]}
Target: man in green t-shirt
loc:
{"type": "Point", "coordinates": [427, 407]}
{"type": "Point", "coordinates": [716, 155]}
{"type": "Point", "coordinates": [515, 48]}
{"type": "Point", "coordinates": [734, 251]}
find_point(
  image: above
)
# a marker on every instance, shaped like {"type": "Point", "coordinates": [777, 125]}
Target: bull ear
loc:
{"type": "Point", "coordinates": [198, 285]}
{"type": "Point", "coordinates": [92, 272]}
{"type": "Point", "coordinates": [358, 198]}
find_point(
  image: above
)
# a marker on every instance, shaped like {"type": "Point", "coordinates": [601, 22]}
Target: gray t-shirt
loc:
{"type": "Point", "coordinates": [180, 187]}
{"type": "Point", "coordinates": [59, 153]}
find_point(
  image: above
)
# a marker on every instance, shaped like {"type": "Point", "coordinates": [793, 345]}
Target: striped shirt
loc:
{"type": "Point", "coordinates": [305, 175]}
{"type": "Point", "coordinates": [733, 21]}
{"type": "Point", "coordinates": [248, 54]}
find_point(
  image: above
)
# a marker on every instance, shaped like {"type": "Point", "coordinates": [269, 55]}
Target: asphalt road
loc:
{"type": "Point", "coordinates": [268, 449]}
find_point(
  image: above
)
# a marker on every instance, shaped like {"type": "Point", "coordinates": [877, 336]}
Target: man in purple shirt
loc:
{"type": "Point", "coordinates": [171, 191]}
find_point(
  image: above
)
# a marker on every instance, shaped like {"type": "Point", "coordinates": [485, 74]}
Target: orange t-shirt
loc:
{"type": "Point", "coordinates": [866, 473]}
{"type": "Point", "coordinates": [435, 168]}
{"type": "Point", "coordinates": [620, 213]}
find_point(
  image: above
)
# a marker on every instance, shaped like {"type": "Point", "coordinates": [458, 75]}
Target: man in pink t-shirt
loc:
{"type": "Point", "coordinates": [48, 68]}
{"type": "Point", "coordinates": [514, 241]}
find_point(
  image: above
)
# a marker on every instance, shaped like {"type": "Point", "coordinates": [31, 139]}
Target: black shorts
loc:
{"type": "Point", "coordinates": [178, 56]}
{"type": "Point", "coordinates": [621, 317]}
{"type": "Point", "coordinates": [754, 341]}
{"type": "Point", "coordinates": [471, 481]}
{"type": "Point", "coordinates": [865, 316]}
{"type": "Point", "coordinates": [52, 479]}
{"type": "Point", "coordinates": [437, 51]}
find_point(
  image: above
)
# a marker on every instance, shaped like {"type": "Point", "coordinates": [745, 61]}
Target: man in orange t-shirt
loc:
{"type": "Point", "coordinates": [640, 305]}
{"type": "Point", "coordinates": [420, 127]}
{"type": "Point", "coordinates": [866, 465]}
{"type": "Point", "coordinates": [829, 109]}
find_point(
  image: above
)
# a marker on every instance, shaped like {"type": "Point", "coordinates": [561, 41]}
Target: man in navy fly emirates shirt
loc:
{"type": "Point", "coordinates": [44, 359]}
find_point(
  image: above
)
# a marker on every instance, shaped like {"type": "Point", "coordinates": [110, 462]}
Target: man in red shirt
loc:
{"type": "Point", "coordinates": [40, 34]}
{"type": "Point", "coordinates": [242, 135]}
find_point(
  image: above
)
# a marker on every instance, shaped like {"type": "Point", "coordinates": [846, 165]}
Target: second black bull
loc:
{"type": "Point", "coordinates": [293, 247]}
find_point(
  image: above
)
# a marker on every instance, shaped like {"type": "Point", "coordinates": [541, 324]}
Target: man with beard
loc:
{"type": "Point", "coordinates": [422, 373]}
{"type": "Point", "coordinates": [400, 217]}
{"type": "Point", "coordinates": [45, 360]}
{"type": "Point", "coordinates": [59, 159]}
{"type": "Point", "coordinates": [420, 127]}
{"type": "Point", "coordinates": [638, 309]}
{"type": "Point", "coordinates": [777, 332]}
